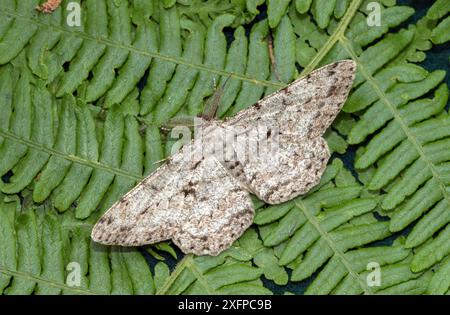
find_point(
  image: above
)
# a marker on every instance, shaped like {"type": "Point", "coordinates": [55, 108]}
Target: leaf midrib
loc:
{"type": "Point", "coordinates": [27, 276]}
{"type": "Point", "coordinates": [69, 157]}
{"type": "Point", "coordinates": [333, 246]}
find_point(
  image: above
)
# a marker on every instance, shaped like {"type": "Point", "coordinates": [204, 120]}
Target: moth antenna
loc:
{"type": "Point", "coordinates": [160, 161]}
{"type": "Point", "coordinates": [212, 105]}
{"type": "Point", "coordinates": [273, 62]}
{"type": "Point", "coordinates": [187, 121]}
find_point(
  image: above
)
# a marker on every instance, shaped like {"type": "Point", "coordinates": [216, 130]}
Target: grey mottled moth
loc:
{"type": "Point", "coordinates": [201, 199]}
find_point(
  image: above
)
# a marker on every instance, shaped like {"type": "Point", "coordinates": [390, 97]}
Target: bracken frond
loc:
{"type": "Point", "coordinates": [82, 110]}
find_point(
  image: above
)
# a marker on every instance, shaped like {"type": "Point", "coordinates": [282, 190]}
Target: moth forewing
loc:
{"type": "Point", "coordinates": [200, 198]}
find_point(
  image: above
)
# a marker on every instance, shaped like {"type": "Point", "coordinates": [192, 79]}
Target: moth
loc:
{"type": "Point", "coordinates": [201, 200]}
{"type": "Point", "coordinates": [49, 6]}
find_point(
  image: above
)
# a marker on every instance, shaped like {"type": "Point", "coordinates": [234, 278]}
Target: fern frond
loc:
{"type": "Point", "coordinates": [408, 136]}
{"type": "Point", "coordinates": [411, 143]}
{"type": "Point", "coordinates": [43, 253]}
{"type": "Point", "coordinates": [81, 109]}
{"type": "Point", "coordinates": [121, 142]}
{"type": "Point", "coordinates": [323, 226]}
{"type": "Point", "coordinates": [334, 278]}
{"type": "Point", "coordinates": [228, 273]}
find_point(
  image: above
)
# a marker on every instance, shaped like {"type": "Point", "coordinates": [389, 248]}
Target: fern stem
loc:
{"type": "Point", "coordinates": [200, 277]}
{"type": "Point", "coordinates": [336, 36]}
{"type": "Point", "coordinates": [184, 262]}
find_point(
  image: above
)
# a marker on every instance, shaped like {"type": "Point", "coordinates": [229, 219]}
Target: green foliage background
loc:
{"type": "Point", "coordinates": [81, 109]}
